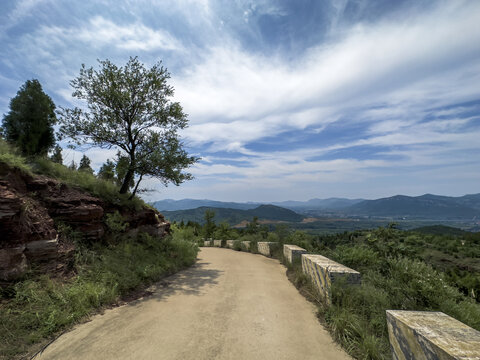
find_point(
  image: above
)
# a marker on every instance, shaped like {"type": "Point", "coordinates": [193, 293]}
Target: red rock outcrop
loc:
{"type": "Point", "coordinates": [30, 208]}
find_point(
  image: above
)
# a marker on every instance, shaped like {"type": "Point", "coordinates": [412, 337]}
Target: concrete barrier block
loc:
{"type": "Point", "coordinates": [230, 243]}
{"type": "Point", "coordinates": [207, 243]}
{"type": "Point", "coordinates": [246, 245]}
{"type": "Point", "coordinates": [323, 272]}
{"type": "Point", "coordinates": [266, 247]}
{"type": "Point", "coordinates": [217, 243]}
{"type": "Point", "coordinates": [426, 335]}
{"type": "Point", "coordinates": [293, 252]}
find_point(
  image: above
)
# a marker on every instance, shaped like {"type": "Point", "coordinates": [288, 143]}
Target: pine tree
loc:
{"type": "Point", "coordinates": [107, 171]}
{"type": "Point", "coordinates": [85, 165]}
{"type": "Point", "coordinates": [29, 123]}
{"type": "Point", "coordinates": [57, 155]}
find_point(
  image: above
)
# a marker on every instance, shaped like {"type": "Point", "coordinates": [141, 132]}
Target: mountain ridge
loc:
{"type": "Point", "coordinates": [426, 206]}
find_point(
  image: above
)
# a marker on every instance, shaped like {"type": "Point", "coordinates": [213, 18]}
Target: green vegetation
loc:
{"type": "Point", "coordinates": [105, 190]}
{"type": "Point", "coordinates": [130, 108]}
{"type": "Point", "coordinates": [29, 123]}
{"type": "Point", "coordinates": [402, 270]}
{"type": "Point", "coordinates": [10, 156]}
{"type": "Point", "coordinates": [41, 306]}
{"type": "Point", "coordinates": [235, 216]}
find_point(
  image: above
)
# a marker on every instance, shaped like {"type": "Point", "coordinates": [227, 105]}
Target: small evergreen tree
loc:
{"type": "Point", "coordinates": [209, 227]}
{"type": "Point", "coordinates": [85, 165]}
{"type": "Point", "coordinates": [72, 166]}
{"type": "Point", "coordinates": [107, 171]}
{"type": "Point", "coordinates": [57, 155]}
{"type": "Point", "coordinates": [29, 123]}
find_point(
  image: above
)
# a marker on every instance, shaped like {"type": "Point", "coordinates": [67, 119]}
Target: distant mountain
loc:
{"type": "Point", "coordinates": [313, 204]}
{"type": "Point", "coordinates": [319, 204]}
{"type": "Point", "coordinates": [171, 205]}
{"type": "Point", "coordinates": [235, 216]}
{"type": "Point", "coordinates": [427, 206]}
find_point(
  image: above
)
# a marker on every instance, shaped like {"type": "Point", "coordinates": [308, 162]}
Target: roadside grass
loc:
{"type": "Point", "coordinates": [37, 308]}
{"type": "Point", "coordinates": [106, 190]}
{"type": "Point", "coordinates": [103, 189]}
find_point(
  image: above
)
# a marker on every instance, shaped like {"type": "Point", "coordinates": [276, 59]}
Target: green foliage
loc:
{"type": "Point", "coordinates": [115, 222]}
{"type": "Point", "coordinates": [224, 232]}
{"type": "Point", "coordinates": [101, 188]}
{"type": "Point", "coordinates": [209, 227]}
{"type": "Point", "coordinates": [57, 155]}
{"type": "Point", "coordinates": [10, 156]}
{"type": "Point", "coordinates": [185, 233]}
{"type": "Point", "coordinates": [130, 108]}
{"type": "Point", "coordinates": [29, 123]}
{"type": "Point", "coordinates": [107, 171]}
{"type": "Point", "coordinates": [42, 306]}
{"type": "Point", "coordinates": [85, 165]}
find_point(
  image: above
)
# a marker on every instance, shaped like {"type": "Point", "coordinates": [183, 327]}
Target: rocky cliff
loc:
{"type": "Point", "coordinates": [31, 209]}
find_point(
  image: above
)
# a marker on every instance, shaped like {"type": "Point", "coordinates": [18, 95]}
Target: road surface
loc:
{"type": "Point", "coordinates": [229, 305]}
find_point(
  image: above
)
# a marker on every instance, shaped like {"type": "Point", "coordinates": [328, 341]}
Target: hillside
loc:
{"type": "Point", "coordinates": [185, 204]}
{"type": "Point", "coordinates": [235, 216]}
{"type": "Point", "coordinates": [426, 206]}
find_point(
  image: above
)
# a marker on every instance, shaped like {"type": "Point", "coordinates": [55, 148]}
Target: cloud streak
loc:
{"type": "Point", "coordinates": [285, 103]}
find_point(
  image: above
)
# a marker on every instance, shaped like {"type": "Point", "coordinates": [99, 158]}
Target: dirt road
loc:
{"type": "Point", "coordinates": [230, 305]}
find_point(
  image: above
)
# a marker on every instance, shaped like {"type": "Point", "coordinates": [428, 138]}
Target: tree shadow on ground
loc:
{"type": "Point", "coordinates": [191, 281]}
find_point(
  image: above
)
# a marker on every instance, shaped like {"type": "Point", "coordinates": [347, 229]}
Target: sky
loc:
{"type": "Point", "coordinates": [287, 100]}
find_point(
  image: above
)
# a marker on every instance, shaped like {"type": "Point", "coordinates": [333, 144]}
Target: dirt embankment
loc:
{"type": "Point", "coordinates": [33, 207]}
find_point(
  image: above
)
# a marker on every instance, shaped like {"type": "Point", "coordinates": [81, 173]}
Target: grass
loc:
{"type": "Point", "coordinates": [12, 158]}
{"type": "Point", "coordinates": [103, 189]}
{"type": "Point", "coordinates": [106, 190]}
{"type": "Point", "coordinates": [42, 306]}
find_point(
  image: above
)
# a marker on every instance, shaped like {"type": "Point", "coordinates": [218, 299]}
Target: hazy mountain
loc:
{"type": "Point", "coordinates": [313, 204]}
{"type": "Point", "coordinates": [185, 204]}
{"type": "Point", "coordinates": [427, 206]}
{"type": "Point", "coordinates": [235, 216]}
{"type": "Point", "coordinates": [319, 204]}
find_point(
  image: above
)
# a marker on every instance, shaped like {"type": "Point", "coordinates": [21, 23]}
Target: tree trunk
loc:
{"type": "Point", "coordinates": [136, 187]}
{"type": "Point", "coordinates": [128, 178]}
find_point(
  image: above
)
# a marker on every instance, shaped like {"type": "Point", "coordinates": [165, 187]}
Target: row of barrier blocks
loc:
{"type": "Point", "coordinates": [413, 335]}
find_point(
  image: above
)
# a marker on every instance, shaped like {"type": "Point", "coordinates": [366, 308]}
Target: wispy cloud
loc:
{"type": "Point", "coordinates": [285, 100]}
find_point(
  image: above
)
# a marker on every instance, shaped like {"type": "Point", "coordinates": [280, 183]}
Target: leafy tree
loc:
{"type": "Point", "coordinates": [107, 171]}
{"type": "Point", "coordinates": [253, 227]}
{"type": "Point", "coordinates": [29, 123]}
{"type": "Point", "coordinates": [121, 169]}
{"type": "Point", "coordinates": [57, 155]}
{"type": "Point", "coordinates": [130, 108]}
{"type": "Point", "coordinates": [224, 232]}
{"type": "Point", "coordinates": [85, 165]}
{"type": "Point", "coordinates": [209, 227]}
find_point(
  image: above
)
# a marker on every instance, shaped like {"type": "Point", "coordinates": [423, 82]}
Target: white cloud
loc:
{"type": "Point", "coordinates": [429, 59]}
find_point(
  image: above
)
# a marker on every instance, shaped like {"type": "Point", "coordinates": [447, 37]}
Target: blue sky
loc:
{"type": "Point", "coordinates": [286, 99]}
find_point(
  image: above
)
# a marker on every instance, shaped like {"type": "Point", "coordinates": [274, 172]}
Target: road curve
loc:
{"type": "Point", "coordinates": [229, 305]}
